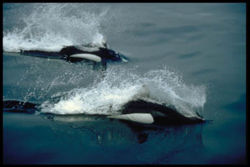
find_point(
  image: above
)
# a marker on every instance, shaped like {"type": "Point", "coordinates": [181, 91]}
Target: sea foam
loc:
{"type": "Point", "coordinates": [120, 86]}
{"type": "Point", "coordinates": [50, 27]}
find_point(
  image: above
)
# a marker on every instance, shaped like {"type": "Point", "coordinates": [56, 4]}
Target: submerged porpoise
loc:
{"type": "Point", "coordinates": [139, 112]}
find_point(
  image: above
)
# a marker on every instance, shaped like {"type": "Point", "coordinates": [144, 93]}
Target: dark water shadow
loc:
{"type": "Point", "coordinates": [190, 55]}
{"type": "Point", "coordinates": [204, 71]}
{"type": "Point", "coordinates": [169, 31]}
{"type": "Point", "coordinates": [239, 105]}
{"type": "Point", "coordinates": [146, 25]}
{"type": "Point", "coordinates": [178, 30]}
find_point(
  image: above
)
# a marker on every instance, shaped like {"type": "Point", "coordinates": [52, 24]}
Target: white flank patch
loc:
{"type": "Point", "coordinates": [144, 118]}
{"type": "Point", "coordinates": [87, 56]}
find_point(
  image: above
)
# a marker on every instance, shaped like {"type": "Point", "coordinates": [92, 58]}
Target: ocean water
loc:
{"type": "Point", "coordinates": [188, 55]}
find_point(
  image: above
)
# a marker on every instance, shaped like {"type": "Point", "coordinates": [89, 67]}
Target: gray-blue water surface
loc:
{"type": "Point", "coordinates": [204, 43]}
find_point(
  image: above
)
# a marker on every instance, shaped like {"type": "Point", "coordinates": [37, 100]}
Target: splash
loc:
{"type": "Point", "coordinates": [119, 87]}
{"type": "Point", "coordinates": [52, 26]}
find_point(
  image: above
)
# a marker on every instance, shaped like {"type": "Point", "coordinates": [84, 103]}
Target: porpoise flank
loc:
{"type": "Point", "coordinates": [90, 52]}
{"type": "Point", "coordinates": [139, 111]}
